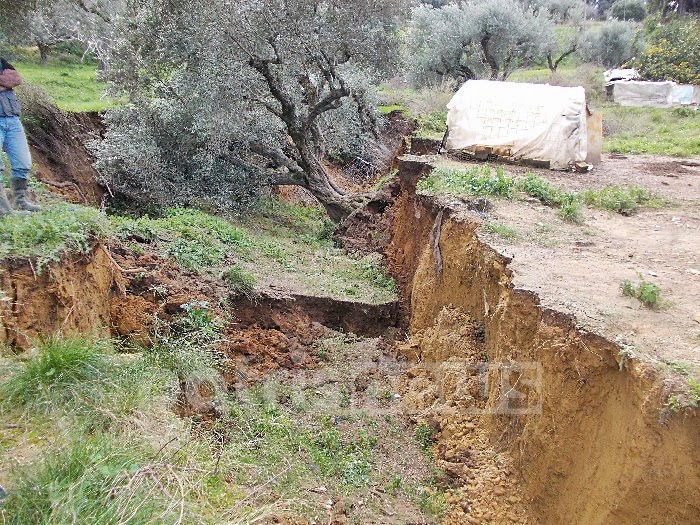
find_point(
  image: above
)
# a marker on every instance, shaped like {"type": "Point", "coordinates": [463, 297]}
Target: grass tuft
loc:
{"type": "Point", "coordinates": [240, 281]}
{"type": "Point", "coordinates": [83, 481]}
{"type": "Point", "coordinates": [502, 230]}
{"type": "Point", "coordinates": [60, 369]}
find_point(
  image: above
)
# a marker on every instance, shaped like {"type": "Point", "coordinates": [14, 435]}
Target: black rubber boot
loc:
{"type": "Point", "coordinates": [19, 196]}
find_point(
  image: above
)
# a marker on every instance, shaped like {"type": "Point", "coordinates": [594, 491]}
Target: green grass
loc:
{"type": "Point", "coordinates": [505, 232]}
{"type": "Point", "coordinates": [46, 235]}
{"type": "Point", "coordinates": [291, 242]}
{"type": "Point", "coordinates": [72, 481]}
{"type": "Point", "coordinates": [195, 239]}
{"type": "Point", "coordinates": [431, 125]}
{"type": "Point", "coordinates": [386, 109]}
{"type": "Point", "coordinates": [651, 130]}
{"type": "Point", "coordinates": [240, 281]}
{"type": "Point", "coordinates": [71, 84]}
{"type": "Point", "coordinates": [480, 181]}
{"type": "Point", "coordinates": [61, 367]}
{"type": "Point", "coordinates": [146, 466]}
{"type": "Point", "coordinates": [484, 181]}
{"type": "Point", "coordinates": [622, 200]}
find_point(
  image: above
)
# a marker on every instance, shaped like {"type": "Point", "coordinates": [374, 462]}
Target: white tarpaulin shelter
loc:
{"type": "Point", "coordinates": [652, 94]}
{"type": "Point", "coordinates": [531, 121]}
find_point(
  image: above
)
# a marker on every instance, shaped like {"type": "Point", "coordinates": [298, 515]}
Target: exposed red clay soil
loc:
{"type": "Point", "coordinates": [106, 290]}
{"type": "Point", "coordinates": [57, 142]}
{"type": "Point", "coordinates": [70, 296]}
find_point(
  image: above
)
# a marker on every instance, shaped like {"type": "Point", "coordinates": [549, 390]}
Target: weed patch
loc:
{"type": "Point", "coordinates": [480, 181]}
{"type": "Point", "coordinates": [239, 281]}
{"type": "Point", "coordinates": [483, 181]}
{"type": "Point", "coordinates": [646, 292]}
{"type": "Point", "coordinates": [196, 240]}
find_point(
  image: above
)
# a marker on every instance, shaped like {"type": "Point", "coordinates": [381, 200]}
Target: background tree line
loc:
{"type": "Point", "coordinates": [224, 98]}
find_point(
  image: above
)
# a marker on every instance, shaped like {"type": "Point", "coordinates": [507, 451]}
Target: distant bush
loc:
{"type": "Point", "coordinates": [674, 53]}
{"type": "Point", "coordinates": [629, 10]}
{"type": "Point", "coordinates": [611, 44]}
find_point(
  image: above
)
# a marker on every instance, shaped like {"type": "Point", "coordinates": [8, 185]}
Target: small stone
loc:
{"type": "Point", "coordinates": [696, 318]}
{"type": "Point", "coordinates": [499, 491]}
{"type": "Point", "coordinates": [320, 490]}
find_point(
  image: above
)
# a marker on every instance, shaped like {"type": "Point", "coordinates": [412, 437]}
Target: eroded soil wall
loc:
{"type": "Point", "coordinates": [73, 295]}
{"type": "Point", "coordinates": [598, 447]}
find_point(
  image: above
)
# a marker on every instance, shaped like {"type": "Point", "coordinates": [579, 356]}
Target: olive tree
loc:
{"type": "Point", "coordinates": [46, 23]}
{"type": "Point", "coordinates": [564, 38]}
{"type": "Point", "coordinates": [474, 39]}
{"type": "Point", "coordinates": [229, 96]}
{"type": "Point", "coordinates": [611, 44]}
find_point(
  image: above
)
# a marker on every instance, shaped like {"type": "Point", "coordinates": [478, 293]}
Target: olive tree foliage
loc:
{"type": "Point", "coordinates": [562, 11]}
{"type": "Point", "coordinates": [611, 44]}
{"type": "Point", "coordinates": [635, 10]}
{"type": "Point", "coordinates": [474, 39]}
{"type": "Point", "coordinates": [563, 34]}
{"type": "Point", "coordinates": [46, 23]}
{"type": "Point", "coordinates": [229, 96]}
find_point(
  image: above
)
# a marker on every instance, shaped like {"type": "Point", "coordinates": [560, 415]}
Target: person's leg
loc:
{"type": "Point", "coordinates": [5, 208]}
{"type": "Point", "coordinates": [20, 159]}
{"type": "Point", "coordinates": [17, 149]}
{"type": "Point", "coordinates": [2, 146]}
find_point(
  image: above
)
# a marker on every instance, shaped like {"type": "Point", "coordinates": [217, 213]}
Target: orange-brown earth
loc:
{"type": "Point", "coordinates": [536, 416]}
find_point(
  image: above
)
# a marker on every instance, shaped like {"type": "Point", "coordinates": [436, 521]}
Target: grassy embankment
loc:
{"type": "Point", "coordinates": [88, 430]}
{"type": "Point", "coordinates": [291, 243]}
{"type": "Point", "coordinates": [68, 79]}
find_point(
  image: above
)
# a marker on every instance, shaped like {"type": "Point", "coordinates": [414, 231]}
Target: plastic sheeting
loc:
{"type": "Point", "coordinates": [655, 94]}
{"type": "Point", "coordinates": [620, 74]}
{"type": "Point", "coordinates": [531, 121]}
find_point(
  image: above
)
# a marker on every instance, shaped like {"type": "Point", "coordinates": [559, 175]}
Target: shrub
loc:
{"type": "Point", "coordinates": [674, 53]}
{"type": "Point", "coordinates": [611, 44]}
{"type": "Point", "coordinates": [629, 10]}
